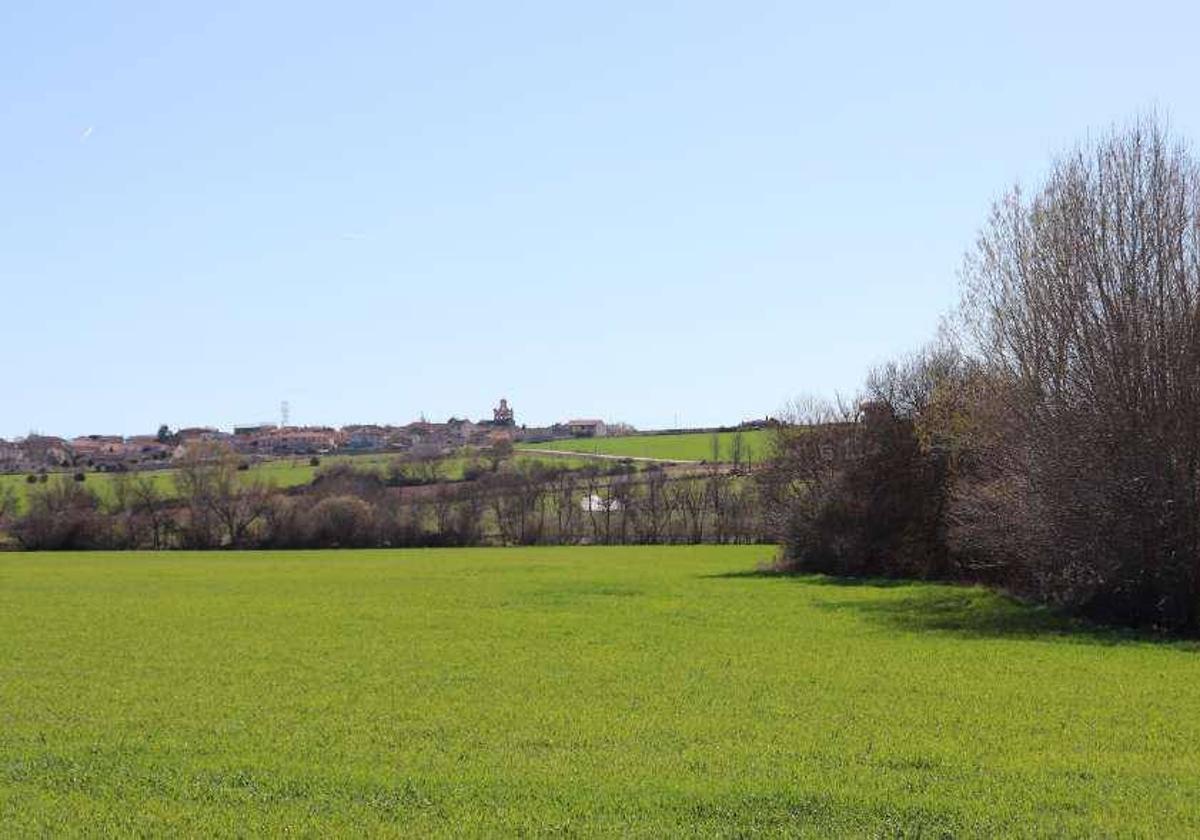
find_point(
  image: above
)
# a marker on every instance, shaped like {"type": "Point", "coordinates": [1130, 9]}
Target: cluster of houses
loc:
{"type": "Point", "coordinates": [103, 453]}
{"type": "Point", "coordinates": [422, 438]}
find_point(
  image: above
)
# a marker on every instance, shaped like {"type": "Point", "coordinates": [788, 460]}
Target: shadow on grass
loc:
{"type": "Point", "coordinates": [910, 606]}
{"type": "Point", "coordinates": [813, 579]}
{"type": "Point", "coordinates": [976, 613]}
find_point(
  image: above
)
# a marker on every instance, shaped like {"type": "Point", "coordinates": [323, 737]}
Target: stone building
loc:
{"type": "Point", "coordinates": [502, 415]}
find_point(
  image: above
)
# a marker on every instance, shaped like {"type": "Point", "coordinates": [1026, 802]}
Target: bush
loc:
{"type": "Point", "coordinates": [342, 522]}
{"type": "Point", "coordinates": [1062, 459]}
{"type": "Point", "coordinates": [285, 523]}
{"type": "Point", "coordinates": [61, 516]}
{"type": "Point", "coordinates": [869, 496]}
{"type": "Point", "coordinates": [1084, 301]}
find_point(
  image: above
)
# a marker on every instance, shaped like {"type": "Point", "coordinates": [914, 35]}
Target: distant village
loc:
{"type": "Point", "coordinates": [114, 453]}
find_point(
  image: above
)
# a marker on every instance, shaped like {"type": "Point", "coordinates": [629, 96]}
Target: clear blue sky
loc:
{"type": "Point", "coordinates": [641, 212]}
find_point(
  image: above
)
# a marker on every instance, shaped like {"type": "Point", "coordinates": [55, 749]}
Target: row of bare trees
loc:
{"type": "Point", "coordinates": [536, 504]}
{"type": "Point", "coordinates": [211, 503]}
{"type": "Point", "coordinates": [1050, 442]}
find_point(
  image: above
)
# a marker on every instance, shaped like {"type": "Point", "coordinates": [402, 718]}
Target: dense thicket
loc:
{"type": "Point", "coordinates": [1087, 300]}
{"type": "Point", "coordinates": [855, 490]}
{"type": "Point", "coordinates": [1055, 449]}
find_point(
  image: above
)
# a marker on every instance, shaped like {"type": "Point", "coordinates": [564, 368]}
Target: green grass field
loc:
{"type": "Point", "coordinates": [582, 691]}
{"type": "Point", "coordinates": [282, 472]}
{"type": "Point", "coordinates": [693, 446]}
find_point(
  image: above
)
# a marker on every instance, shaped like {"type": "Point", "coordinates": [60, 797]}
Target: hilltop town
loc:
{"type": "Point", "coordinates": [421, 438]}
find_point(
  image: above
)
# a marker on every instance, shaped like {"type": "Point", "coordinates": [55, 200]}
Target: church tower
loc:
{"type": "Point", "coordinates": [502, 415]}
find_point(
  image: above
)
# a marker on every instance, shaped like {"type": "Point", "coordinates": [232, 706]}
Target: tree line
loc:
{"type": "Point", "coordinates": [1048, 441]}
{"type": "Point", "coordinates": [501, 501]}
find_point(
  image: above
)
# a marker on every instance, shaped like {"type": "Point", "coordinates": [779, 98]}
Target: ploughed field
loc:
{"type": "Point", "coordinates": [630, 691]}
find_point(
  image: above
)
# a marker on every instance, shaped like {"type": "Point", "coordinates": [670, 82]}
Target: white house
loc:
{"type": "Point", "coordinates": [595, 504]}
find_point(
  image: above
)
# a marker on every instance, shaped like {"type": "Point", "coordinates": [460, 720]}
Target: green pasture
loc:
{"type": "Point", "coordinates": [281, 472]}
{"type": "Point", "coordinates": [692, 446]}
{"type": "Point", "coordinates": [581, 691]}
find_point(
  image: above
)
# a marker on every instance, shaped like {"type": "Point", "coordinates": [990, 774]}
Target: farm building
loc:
{"type": "Point", "coordinates": [587, 428]}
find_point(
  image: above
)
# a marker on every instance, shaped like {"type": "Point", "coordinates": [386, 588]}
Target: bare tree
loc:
{"type": "Point", "coordinates": [692, 498]}
{"type": "Point", "coordinates": [737, 451]}
{"type": "Point", "coordinates": [61, 514]}
{"type": "Point", "coordinates": [650, 510]}
{"type": "Point", "coordinates": [222, 507]}
{"type": "Point", "coordinates": [124, 522]}
{"type": "Point", "coordinates": [565, 491]}
{"type": "Point", "coordinates": [1083, 303]}
{"type": "Point", "coordinates": [149, 501]}
{"type": "Point", "coordinates": [467, 528]}
{"type": "Point", "coordinates": [621, 498]}
{"type": "Point", "coordinates": [808, 453]}
{"type": "Point", "coordinates": [717, 489]}
{"type": "Point", "coordinates": [599, 513]}
{"type": "Point", "coordinates": [518, 500]}
{"type": "Point", "coordinates": [444, 500]}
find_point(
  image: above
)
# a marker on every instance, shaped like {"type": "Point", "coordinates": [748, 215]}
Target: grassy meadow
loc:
{"type": "Point", "coordinates": [691, 446]}
{"type": "Point", "coordinates": [635, 691]}
{"type": "Point", "coordinates": [281, 473]}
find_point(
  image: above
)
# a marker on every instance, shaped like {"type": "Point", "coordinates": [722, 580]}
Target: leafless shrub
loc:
{"type": "Point", "coordinates": [859, 492]}
{"type": "Point", "coordinates": [222, 508]}
{"type": "Point", "coordinates": [1083, 302]}
{"type": "Point", "coordinates": [62, 515]}
{"type": "Point", "coordinates": [342, 522]}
